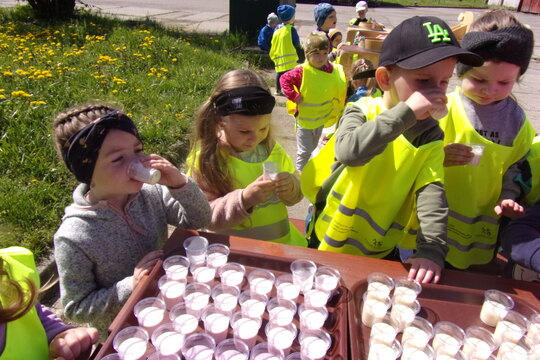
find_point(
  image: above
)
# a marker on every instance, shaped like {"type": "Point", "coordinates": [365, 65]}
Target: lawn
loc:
{"type": "Point", "coordinates": [158, 75]}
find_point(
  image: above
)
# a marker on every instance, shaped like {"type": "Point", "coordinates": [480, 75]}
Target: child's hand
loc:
{"type": "Point", "coordinates": [299, 99]}
{"type": "Point", "coordinates": [70, 344]}
{"type": "Point", "coordinates": [284, 184]}
{"type": "Point", "coordinates": [509, 208]}
{"type": "Point", "coordinates": [145, 265]}
{"type": "Point", "coordinates": [424, 270]}
{"type": "Point", "coordinates": [457, 154]}
{"type": "Point", "coordinates": [257, 192]}
{"type": "Point", "coordinates": [170, 175]}
{"type": "Point", "coordinates": [424, 101]}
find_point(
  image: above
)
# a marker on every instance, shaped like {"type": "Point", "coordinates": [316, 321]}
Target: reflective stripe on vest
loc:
{"type": "Point", "coordinates": [369, 215]}
{"type": "Point", "coordinates": [534, 163]}
{"type": "Point", "coordinates": [21, 266]}
{"type": "Point", "coordinates": [473, 191]}
{"type": "Point", "coordinates": [324, 96]}
{"type": "Point", "coordinates": [282, 52]}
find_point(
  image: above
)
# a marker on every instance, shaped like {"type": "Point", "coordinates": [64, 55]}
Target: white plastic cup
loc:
{"type": "Point", "coordinates": [266, 351]}
{"type": "Point", "coordinates": [158, 356]}
{"type": "Point", "coordinates": [232, 274]}
{"type": "Point", "coordinates": [185, 321]}
{"type": "Point", "coordinates": [403, 315]}
{"type": "Point", "coordinates": [286, 288]}
{"type": "Point", "coordinates": [418, 333]}
{"type": "Point", "coordinates": [478, 341]}
{"type": "Point", "coordinates": [316, 298]}
{"type": "Point", "coordinates": [176, 267]}
{"type": "Point", "coordinates": [171, 291]}
{"type": "Point", "coordinates": [216, 322]}
{"type": "Point", "coordinates": [199, 347]}
{"type": "Point", "coordinates": [303, 272]}
{"type": "Point", "coordinates": [413, 353]}
{"type": "Point", "coordinates": [280, 336]}
{"type": "Point", "coordinates": [312, 318]}
{"type": "Point", "coordinates": [197, 296]}
{"type": "Point", "coordinates": [217, 255]}
{"type": "Point", "coordinates": [114, 356]}
{"type": "Point", "coordinates": [438, 114]}
{"type": "Point", "coordinates": [252, 304]}
{"type": "Point", "coordinates": [383, 331]}
{"type": "Point", "coordinates": [314, 344]}
{"type": "Point", "coordinates": [405, 290]}
{"type": "Point", "coordinates": [447, 338]}
{"type": "Point", "coordinates": [496, 305]}
{"type": "Point", "coordinates": [380, 351]}
{"type": "Point", "coordinates": [261, 281]}
{"type": "Point", "coordinates": [231, 349]}
{"type": "Point", "coordinates": [327, 279]}
{"type": "Point", "coordinates": [477, 151]}
{"type": "Point", "coordinates": [136, 170]}
{"type": "Point", "coordinates": [511, 328]}
{"type": "Point", "coordinates": [513, 351]}
{"type": "Point", "coordinates": [374, 310]}
{"type": "Point", "coordinates": [379, 285]}
{"type": "Point", "coordinates": [281, 311]}
{"type": "Point", "coordinates": [270, 170]}
{"type": "Point", "coordinates": [203, 274]}
{"type": "Point", "coordinates": [225, 297]}
{"type": "Point", "coordinates": [150, 313]}
{"type": "Point", "coordinates": [195, 247]}
{"type": "Point", "coordinates": [533, 334]}
{"type": "Point", "coordinates": [245, 328]}
{"type": "Point", "coordinates": [167, 340]}
{"type": "Point", "coordinates": [457, 356]}
{"type": "Point", "coordinates": [131, 343]}
{"type": "Point", "coordinates": [295, 356]}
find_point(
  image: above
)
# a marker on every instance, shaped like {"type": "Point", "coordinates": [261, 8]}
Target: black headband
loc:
{"type": "Point", "coordinates": [81, 151]}
{"type": "Point", "coordinates": [249, 100]}
{"type": "Point", "coordinates": [366, 74]}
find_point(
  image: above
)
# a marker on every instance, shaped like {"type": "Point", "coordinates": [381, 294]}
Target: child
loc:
{"type": "Point", "coordinates": [483, 112]}
{"type": "Point", "coordinates": [387, 186]}
{"type": "Point", "coordinates": [232, 141]}
{"type": "Point", "coordinates": [318, 88]}
{"type": "Point", "coordinates": [325, 17]}
{"type": "Point", "coordinates": [265, 35]}
{"type": "Point", "coordinates": [28, 330]}
{"type": "Point", "coordinates": [361, 10]}
{"type": "Point", "coordinates": [109, 236]}
{"type": "Point", "coordinates": [285, 41]}
{"type": "Point", "coordinates": [362, 80]}
{"type": "Point", "coordinates": [336, 37]}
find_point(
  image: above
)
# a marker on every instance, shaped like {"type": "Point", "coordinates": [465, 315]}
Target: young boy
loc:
{"type": "Point", "coordinates": [265, 35]}
{"type": "Point", "coordinates": [318, 88]}
{"type": "Point", "coordinates": [285, 42]}
{"type": "Point", "coordinates": [361, 9]}
{"type": "Point", "coordinates": [390, 153]}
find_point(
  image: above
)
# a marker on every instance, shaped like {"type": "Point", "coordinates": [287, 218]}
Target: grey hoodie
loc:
{"type": "Point", "coordinates": [97, 246]}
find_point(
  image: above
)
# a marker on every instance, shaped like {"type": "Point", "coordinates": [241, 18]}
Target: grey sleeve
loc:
{"type": "Point", "coordinates": [187, 207]}
{"type": "Point", "coordinates": [358, 140]}
{"type": "Point", "coordinates": [510, 189]}
{"type": "Point", "coordinates": [433, 218]}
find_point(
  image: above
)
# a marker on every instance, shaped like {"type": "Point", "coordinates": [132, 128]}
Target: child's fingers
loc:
{"type": "Point", "coordinates": [413, 271]}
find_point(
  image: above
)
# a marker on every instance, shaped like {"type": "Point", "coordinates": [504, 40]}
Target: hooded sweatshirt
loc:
{"type": "Point", "coordinates": [97, 246]}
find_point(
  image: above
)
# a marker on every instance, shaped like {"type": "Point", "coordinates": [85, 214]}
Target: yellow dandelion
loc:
{"type": "Point", "coordinates": [2, 96]}
{"type": "Point", "coordinates": [174, 59]}
{"type": "Point", "coordinates": [35, 180]}
{"type": "Point", "coordinates": [20, 93]}
{"type": "Point", "coordinates": [138, 90]}
{"type": "Point", "coordinates": [114, 91]}
{"type": "Point", "coordinates": [40, 102]}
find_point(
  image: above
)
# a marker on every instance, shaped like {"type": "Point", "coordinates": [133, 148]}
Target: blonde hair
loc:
{"type": "Point", "coordinates": [494, 19]}
{"type": "Point", "coordinates": [16, 301]}
{"type": "Point", "coordinates": [362, 65]}
{"type": "Point", "coordinates": [70, 121]}
{"type": "Point", "coordinates": [211, 171]}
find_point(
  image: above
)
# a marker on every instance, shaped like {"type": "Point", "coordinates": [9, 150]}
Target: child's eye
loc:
{"type": "Point", "coordinates": [138, 151]}
{"type": "Point", "coordinates": [117, 159]}
{"type": "Point", "coordinates": [478, 80]}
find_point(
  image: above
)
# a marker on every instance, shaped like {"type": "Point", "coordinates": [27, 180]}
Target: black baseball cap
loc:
{"type": "Point", "coordinates": [421, 41]}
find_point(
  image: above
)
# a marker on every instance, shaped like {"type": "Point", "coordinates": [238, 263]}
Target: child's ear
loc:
{"type": "Point", "coordinates": [382, 75]}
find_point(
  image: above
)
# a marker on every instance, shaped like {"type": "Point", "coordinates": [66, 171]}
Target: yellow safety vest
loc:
{"type": "Point", "coordinates": [270, 220]}
{"type": "Point", "coordinates": [282, 52]}
{"type": "Point", "coordinates": [534, 162]}
{"type": "Point", "coordinates": [372, 208]}
{"type": "Point", "coordinates": [28, 327]}
{"type": "Point", "coordinates": [324, 96]}
{"type": "Point", "coordinates": [473, 191]}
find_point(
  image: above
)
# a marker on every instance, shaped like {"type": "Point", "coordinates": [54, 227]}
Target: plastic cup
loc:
{"type": "Point", "coordinates": [312, 318]}
{"type": "Point", "coordinates": [406, 290]}
{"type": "Point", "coordinates": [245, 328]}
{"type": "Point", "coordinates": [216, 322]}
{"type": "Point", "coordinates": [176, 267]}
{"type": "Point", "coordinates": [478, 341]}
{"type": "Point", "coordinates": [413, 353]}
{"type": "Point", "coordinates": [383, 332]}
{"type": "Point", "coordinates": [136, 170]}
{"type": "Point", "coordinates": [447, 338]}
{"type": "Point", "coordinates": [438, 114]}
{"type": "Point", "coordinates": [295, 356]}
{"type": "Point", "coordinates": [286, 288]}
{"type": "Point", "coordinates": [513, 351]}
{"type": "Point", "coordinates": [252, 304]}
{"type": "Point", "coordinates": [533, 334]}
{"type": "Point", "coordinates": [231, 349]}
{"type": "Point", "coordinates": [457, 356]}
{"type": "Point", "coordinates": [158, 356]}
{"type": "Point", "coordinates": [217, 255]}
{"type": "Point", "coordinates": [374, 310]}
{"type": "Point", "coordinates": [511, 328]}
{"type": "Point", "coordinates": [477, 151]}
{"type": "Point", "coordinates": [303, 272]}
{"type": "Point", "coordinates": [232, 274]}
{"type": "Point", "coordinates": [316, 298]}
{"type": "Point", "coordinates": [418, 333]}
{"type": "Point", "coordinates": [379, 286]}
{"type": "Point", "coordinates": [266, 351]}
{"type": "Point", "coordinates": [185, 321]}
{"type": "Point", "coordinates": [281, 311]}
{"type": "Point", "coordinates": [195, 247]}
{"type": "Point", "coordinates": [171, 291]}
{"type": "Point", "coordinates": [167, 340]}
{"type": "Point", "coordinates": [314, 343]}
{"type": "Point", "coordinates": [150, 313]}
{"type": "Point", "coordinates": [496, 305]}
{"type": "Point", "coordinates": [403, 315]}
{"type": "Point", "coordinates": [379, 351]}
{"type": "Point", "coordinates": [197, 296]}
{"type": "Point", "coordinates": [225, 297]}
{"type": "Point", "coordinates": [199, 347]}
{"type": "Point", "coordinates": [203, 274]}
{"type": "Point", "coordinates": [114, 356]}
{"type": "Point", "coordinates": [280, 336]}
{"type": "Point", "coordinates": [270, 170]}
{"type": "Point", "coordinates": [261, 281]}
{"type": "Point", "coordinates": [327, 279]}
{"type": "Point", "coordinates": [131, 343]}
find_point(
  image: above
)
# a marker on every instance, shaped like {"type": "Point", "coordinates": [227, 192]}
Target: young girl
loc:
{"type": "Point", "coordinates": [362, 81]}
{"type": "Point", "coordinates": [110, 236]}
{"type": "Point", "coordinates": [232, 141]}
{"type": "Point", "coordinates": [336, 37]}
{"type": "Point", "coordinates": [29, 330]}
{"type": "Point", "coordinates": [483, 112]}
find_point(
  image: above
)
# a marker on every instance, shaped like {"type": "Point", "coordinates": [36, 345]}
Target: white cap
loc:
{"type": "Point", "coordinates": [361, 6]}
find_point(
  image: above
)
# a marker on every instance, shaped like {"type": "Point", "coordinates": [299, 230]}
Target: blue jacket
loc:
{"type": "Point", "coordinates": [265, 38]}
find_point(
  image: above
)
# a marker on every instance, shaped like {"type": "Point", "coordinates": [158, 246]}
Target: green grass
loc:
{"type": "Point", "coordinates": [158, 75]}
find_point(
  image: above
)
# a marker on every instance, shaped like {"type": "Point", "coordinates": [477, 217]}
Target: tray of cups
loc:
{"type": "Point", "coordinates": [206, 301]}
{"type": "Point", "coordinates": [398, 318]}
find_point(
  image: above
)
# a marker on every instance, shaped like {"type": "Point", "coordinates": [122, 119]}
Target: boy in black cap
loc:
{"type": "Point", "coordinates": [390, 154]}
